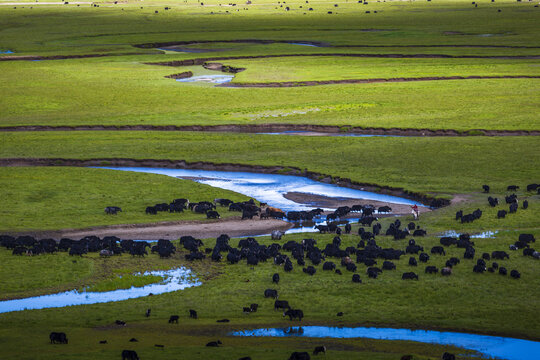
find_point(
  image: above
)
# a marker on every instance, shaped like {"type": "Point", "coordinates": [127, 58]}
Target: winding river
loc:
{"type": "Point", "coordinates": [173, 280]}
{"type": "Point", "coordinates": [492, 346]}
{"type": "Point", "coordinates": [270, 188]}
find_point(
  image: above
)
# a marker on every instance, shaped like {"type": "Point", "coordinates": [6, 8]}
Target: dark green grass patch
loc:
{"type": "Point", "coordinates": [61, 198]}
{"type": "Point", "coordinates": [447, 165]}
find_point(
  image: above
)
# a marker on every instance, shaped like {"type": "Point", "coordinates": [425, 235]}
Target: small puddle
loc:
{"type": "Point", "coordinates": [492, 346]}
{"type": "Point", "coordinates": [214, 79]}
{"type": "Point", "coordinates": [6, 52]}
{"type": "Point", "coordinates": [482, 235]}
{"type": "Point", "coordinates": [173, 280]}
{"type": "Point", "coordinates": [303, 44]}
{"type": "Point", "coordinates": [316, 133]}
{"type": "Point", "coordinates": [270, 188]}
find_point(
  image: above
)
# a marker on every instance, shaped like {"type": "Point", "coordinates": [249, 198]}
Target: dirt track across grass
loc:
{"type": "Point", "coordinates": [172, 230]}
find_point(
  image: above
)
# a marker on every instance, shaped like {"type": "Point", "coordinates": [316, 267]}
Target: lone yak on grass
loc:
{"type": "Point", "coordinates": [58, 338]}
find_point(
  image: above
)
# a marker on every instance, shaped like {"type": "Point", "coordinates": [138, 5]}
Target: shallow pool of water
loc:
{"type": "Point", "coordinates": [269, 188]}
{"type": "Point", "coordinates": [214, 79]}
{"type": "Point", "coordinates": [173, 280]}
{"type": "Point", "coordinates": [482, 235]}
{"type": "Point", "coordinates": [493, 346]}
{"type": "Point", "coordinates": [314, 133]}
{"type": "Point", "coordinates": [303, 44]}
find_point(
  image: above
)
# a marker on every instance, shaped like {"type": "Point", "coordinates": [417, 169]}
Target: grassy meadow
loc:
{"type": "Point", "coordinates": [442, 165]}
{"type": "Point", "coordinates": [65, 198]}
{"type": "Point", "coordinates": [386, 301]}
{"type": "Point", "coordinates": [121, 87]}
{"type": "Point", "coordinates": [122, 90]}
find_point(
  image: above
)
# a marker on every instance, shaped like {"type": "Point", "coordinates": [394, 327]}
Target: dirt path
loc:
{"type": "Point", "coordinates": [172, 230]}
{"type": "Point", "coordinates": [179, 44]}
{"type": "Point", "coordinates": [301, 129]}
{"type": "Point", "coordinates": [367, 81]}
{"type": "Point", "coordinates": [200, 61]}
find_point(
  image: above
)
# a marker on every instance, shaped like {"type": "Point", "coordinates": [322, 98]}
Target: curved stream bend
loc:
{"type": "Point", "coordinates": [270, 188]}
{"type": "Point", "coordinates": [493, 346]}
{"type": "Point", "coordinates": [176, 279]}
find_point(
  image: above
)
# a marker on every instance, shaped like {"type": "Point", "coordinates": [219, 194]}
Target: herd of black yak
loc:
{"type": "Point", "coordinates": [304, 254]}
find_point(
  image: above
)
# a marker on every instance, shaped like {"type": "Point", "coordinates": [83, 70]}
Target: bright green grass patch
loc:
{"type": "Point", "coordinates": [339, 68]}
{"type": "Point", "coordinates": [120, 90]}
{"type": "Point", "coordinates": [59, 198]}
{"type": "Point", "coordinates": [447, 165]}
{"type": "Point", "coordinates": [113, 92]}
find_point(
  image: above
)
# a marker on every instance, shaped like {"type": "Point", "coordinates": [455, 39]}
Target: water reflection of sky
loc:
{"type": "Point", "coordinates": [270, 188]}
{"type": "Point", "coordinates": [176, 279]}
{"type": "Point", "coordinates": [493, 346]}
{"type": "Point", "coordinates": [214, 79]}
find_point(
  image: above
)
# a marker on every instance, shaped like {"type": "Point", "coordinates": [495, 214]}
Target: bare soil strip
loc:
{"type": "Point", "coordinates": [311, 130]}
{"type": "Point", "coordinates": [324, 44]}
{"type": "Point", "coordinates": [62, 57]}
{"type": "Point", "coordinates": [368, 81]}
{"type": "Point", "coordinates": [201, 61]}
{"type": "Point", "coordinates": [201, 165]}
{"type": "Point", "coordinates": [170, 230]}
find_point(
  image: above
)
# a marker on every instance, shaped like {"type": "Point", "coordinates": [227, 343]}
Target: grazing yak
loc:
{"type": "Point", "coordinates": [423, 257]}
{"type": "Point", "coordinates": [409, 276]}
{"type": "Point", "coordinates": [174, 319]}
{"type": "Point", "coordinates": [58, 338]}
{"type": "Point", "coordinates": [129, 355]}
{"type": "Point", "coordinates": [448, 356]}
{"type": "Point", "coordinates": [356, 279]}
{"type": "Point", "coordinates": [281, 304]}
{"type": "Point", "coordinates": [438, 250]}
{"type": "Point", "coordinates": [319, 349]}
{"type": "Point", "coordinates": [300, 355]}
{"type": "Point", "coordinates": [294, 314]}
{"type": "Point", "coordinates": [193, 314]}
{"type": "Point", "coordinates": [270, 293]}
{"type": "Point", "coordinates": [211, 214]}
{"type": "Point", "coordinates": [112, 210]}
{"type": "Point", "coordinates": [500, 255]}
{"type": "Point", "coordinates": [214, 343]}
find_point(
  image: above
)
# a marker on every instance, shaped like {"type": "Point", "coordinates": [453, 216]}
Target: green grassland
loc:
{"type": "Point", "coordinates": [121, 90]}
{"type": "Point", "coordinates": [335, 68]}
{"type": "Point", "coordinates": [461, 301]}
{"type": "Point", "coordinates": [114, 91]}
{"type": "Point", "coordinates": [445, 165]}
{"type": "Point", "coordinates": [62, 198]}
